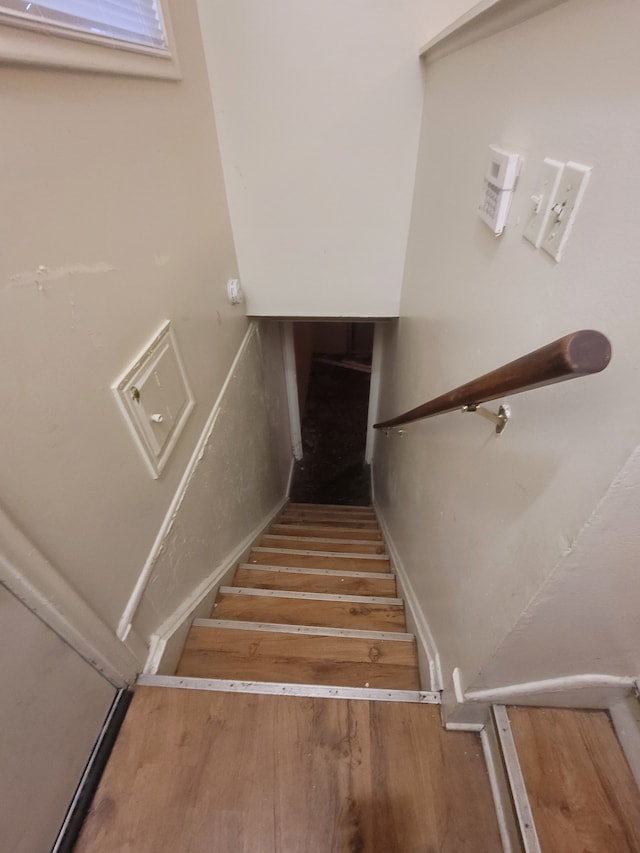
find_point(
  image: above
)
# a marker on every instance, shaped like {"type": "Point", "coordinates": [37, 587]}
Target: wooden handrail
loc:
{"type": "Point", "coordinates": [578, 354]}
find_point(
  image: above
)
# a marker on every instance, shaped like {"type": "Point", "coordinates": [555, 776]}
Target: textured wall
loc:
{"type": "Point", "coordinates": [240, 477]}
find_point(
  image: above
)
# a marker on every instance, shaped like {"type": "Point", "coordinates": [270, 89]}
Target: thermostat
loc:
{"type": "Point", "coordinates": [499, 182]}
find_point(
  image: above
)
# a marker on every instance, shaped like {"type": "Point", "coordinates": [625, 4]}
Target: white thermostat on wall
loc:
{"type": "Point", "coordinates": [499, 182]}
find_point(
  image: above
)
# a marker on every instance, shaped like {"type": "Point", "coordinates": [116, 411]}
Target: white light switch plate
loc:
{"type": "Point", "coordinates": [545, 190]}
{"type": "Point", "coordinates": [564, 208]}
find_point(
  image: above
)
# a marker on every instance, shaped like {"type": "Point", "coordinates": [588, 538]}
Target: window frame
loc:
{"type": "Point", "coordinates": [34, 43]}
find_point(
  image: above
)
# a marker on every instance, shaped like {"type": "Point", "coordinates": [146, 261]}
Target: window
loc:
{"type": "Point", "coordinates": [122, 36]}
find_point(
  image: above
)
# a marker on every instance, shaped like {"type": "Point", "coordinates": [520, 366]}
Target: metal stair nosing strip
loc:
{"type": "Point", "coordinates": [273, 688]}
{"type": "Point", "coordinates": [313, 596]}
{"type": "Point", "coordinates": [347, 554]}
{"type": "Point", "coordinates": [305, 570]}
{"type": "Point", "coordinates": [331, 540]}
{"type": "Point", "coordinates": [519, 795]}
{"type": "Point", "coordinates": [309, 630]}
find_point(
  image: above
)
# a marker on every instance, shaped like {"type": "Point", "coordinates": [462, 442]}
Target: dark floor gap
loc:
{"type": "Point", "coordinates": [334, 418]}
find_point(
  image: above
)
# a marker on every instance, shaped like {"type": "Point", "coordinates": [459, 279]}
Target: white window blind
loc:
{"type": "Point", "coordinates": [137, 22]}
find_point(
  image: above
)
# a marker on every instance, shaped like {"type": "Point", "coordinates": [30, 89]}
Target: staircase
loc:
{"type": "Point", "coordinates": [316, 603]}
{"type": "Point", "coordinates": [296, 723]}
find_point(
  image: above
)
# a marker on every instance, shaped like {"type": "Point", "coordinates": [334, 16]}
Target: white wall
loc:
{"type": "Point", "coordinates": [114, 185]}
{"type": "Point", "coordinates": [481, 521]}
{"type": "Point", "coordinates": [52, 707]}
{"type": "Point", "coordinates": [584, 618]}
{"type": "Point", "coordinates": [318, 108]}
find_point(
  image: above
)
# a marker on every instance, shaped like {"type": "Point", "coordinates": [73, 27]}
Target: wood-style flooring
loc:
{"type": "Point", "coordinates": [307, 570]}
{"type": "Point", "coordinates": [582, 794]}
{"type": "Point", "coordinates": [205, 772]}
{"type": "Point", "coordinates": [299, 659]}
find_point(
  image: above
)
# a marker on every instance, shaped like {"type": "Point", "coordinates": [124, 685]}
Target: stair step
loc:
{"type": "Point", "coordinates": [321, 513]}
{"type": "Point", "coordinates": [316, 631]}
{"type": "Point", "coordinates": [270, 656]}
{"type": "Point", "coordinates": [309, 570]}
{"type": "Point", "coordinates": [580, 789]}
{"type": "Point", "coordinates": [319, 559]}
{"type": "Point", "coordinates": [318, 543]}
{"type": "Point", "coordinates": [315, 691]}
{"type": "Point", "coordinates": [352, 533]}
{"type": "Point", "coordinates": [314, 612]}
{"type": "Point", "coordinates": [327, 521]}
{"type": "Point", "coordinates": [315, 580]}
{"type": "Point", "coordinates": [341, 508]}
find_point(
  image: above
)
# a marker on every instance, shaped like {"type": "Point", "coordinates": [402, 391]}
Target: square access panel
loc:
{"type": "Point", "coordinates": [155, 399]}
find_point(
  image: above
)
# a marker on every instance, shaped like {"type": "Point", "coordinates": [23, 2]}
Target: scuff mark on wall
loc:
{"type": "Point", "coordinates": [43, 276]}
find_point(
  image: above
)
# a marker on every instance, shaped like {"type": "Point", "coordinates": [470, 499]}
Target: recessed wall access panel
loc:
{"type": "Point", "coordinates": [155, 399]}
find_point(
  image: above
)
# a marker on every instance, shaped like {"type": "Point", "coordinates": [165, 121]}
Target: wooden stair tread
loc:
{"type": "Point", "coordinates": [270, 656]}
{"type": "Point", "coordinates": [295, 611]}
{"type": "Point", "coordinates": [326, 519]}
{"type": "Point", "coordinates": [581, 791]}
{"type": "Point", "coordinates": [354, 584]}
{"type": "Point", "coordinates": [224, 772]}
{"type": "Point", "coordinates": [296, 509]}
{"type": "Point", "coordinates": [317, 521]}
{"type": "Point", "coordinates": [285, 557]}
{"type": "Point", "coordinates": [329, 509]}
{"type": "Point", "coordinates": [332, 508]}
{"type": "Point", "coordinates": [320, 543]}
{"type": "Point", "coordinates": [319, 530]}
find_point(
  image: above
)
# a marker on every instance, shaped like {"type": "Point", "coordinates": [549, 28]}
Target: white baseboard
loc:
{"type": "Point", "coordinates": [126, 620]}
{"type": "Point", "coordinates": [470, 707]}
{"type": "Point", "coordinates": [589, 690]}
{"type": "Point", "coordinates": [464, 727]}
{"type": "Point", "coordinates": [167, 642]}
{"type": "Point", "coordinates": [428, 656]}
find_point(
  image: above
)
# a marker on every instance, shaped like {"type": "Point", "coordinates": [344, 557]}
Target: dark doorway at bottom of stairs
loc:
{"type": "Point", "coordinates": [334, 427]}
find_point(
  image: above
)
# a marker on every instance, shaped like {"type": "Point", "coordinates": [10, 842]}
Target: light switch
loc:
{"type": "Point", "coordinates": [155, 399]}
{"type": "Point", "coordinates": [564, 208]}
{"type": "Point", "coordinates": [545, 190]}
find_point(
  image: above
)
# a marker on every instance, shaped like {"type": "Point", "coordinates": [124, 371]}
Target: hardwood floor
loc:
{"type": "Point", "coordinates": [276, 557]}
{"type": "Point", "coordinates": [323, 543]}
{"type": "Point", "coordinates": [582, 794]}
{"type": "Point", "coordinates": [206, 771]}
{"type": "Point", "coordinates": [196, 771]}
{"type": "Point", "coordinates": [331, 520]}
{"type": "Point", "coordinates": [200, 770]}
{"type": "Point", "coordinates": [317, 581]}
{"type": "Point", "coordinates": [303, 659]}
{"type": "Point", "coordinates": [330, 532]}
{"type": "Point", "coordinates": [292, 611]}
{"type": "Point", "coordinates": [351, 583]}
